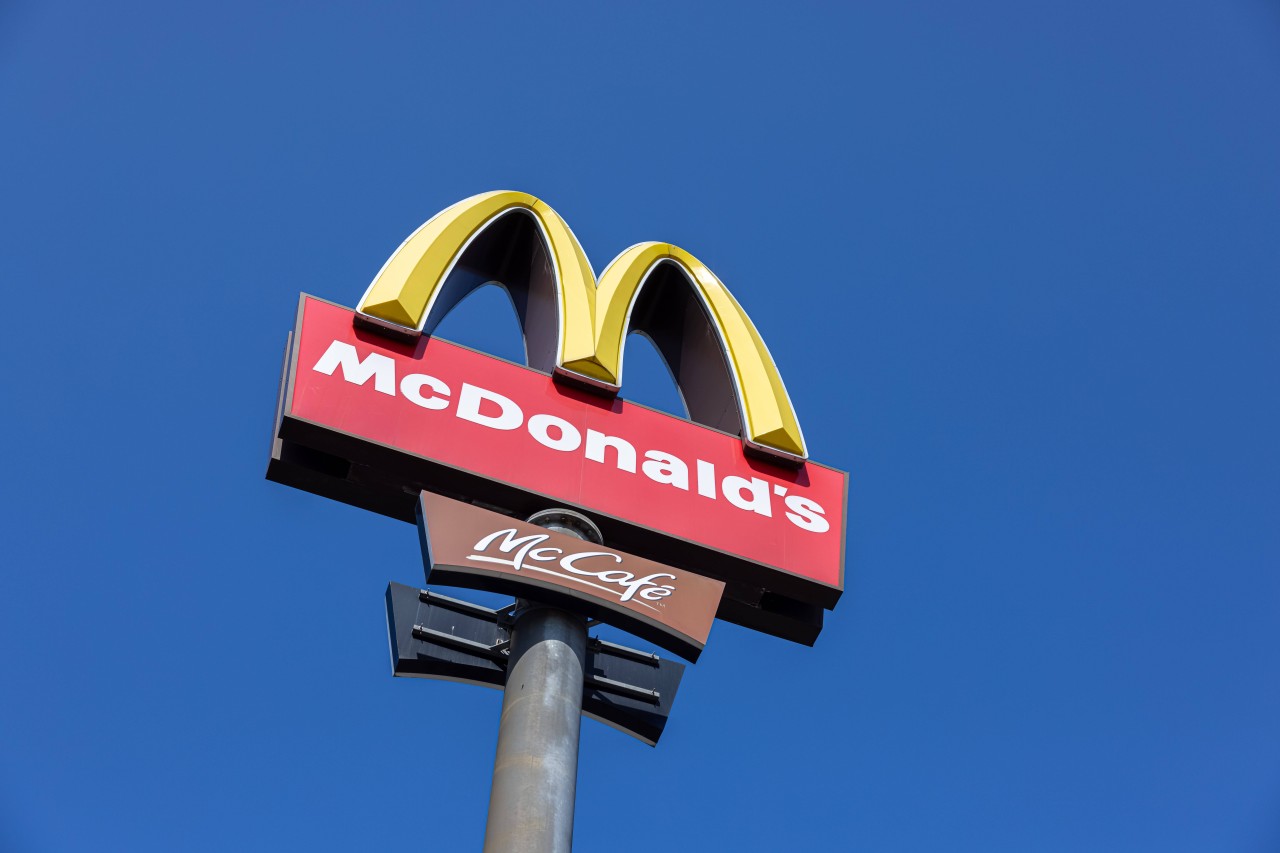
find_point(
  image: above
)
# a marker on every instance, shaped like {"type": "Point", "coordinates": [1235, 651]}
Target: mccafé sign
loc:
{"type": "Point", "coordinates": [374, 410]}
{"type": "Point", "coordinates": [467, 546]}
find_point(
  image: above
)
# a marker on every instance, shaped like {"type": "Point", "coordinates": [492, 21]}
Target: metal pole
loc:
{"type": "Point", "coordinates": [535, 771]}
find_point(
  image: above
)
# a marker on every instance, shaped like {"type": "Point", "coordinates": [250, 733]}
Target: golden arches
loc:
{"type": "Point", "coordinates": [593, 320]}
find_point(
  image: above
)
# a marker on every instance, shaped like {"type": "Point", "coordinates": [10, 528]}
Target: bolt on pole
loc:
{"type": "Point", "coordinates": [535, 770]}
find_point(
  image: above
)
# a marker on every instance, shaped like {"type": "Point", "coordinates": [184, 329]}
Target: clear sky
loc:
{"type": "Point", "coordinates": [1017, 262]}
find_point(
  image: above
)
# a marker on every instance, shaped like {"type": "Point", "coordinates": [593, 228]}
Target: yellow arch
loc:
{"type": "Point", "coordinates": [769, 420]}
{"type": "Point", "coordinates": [404, 289]}
{"type": "Point", "coordinates": [594, 321]}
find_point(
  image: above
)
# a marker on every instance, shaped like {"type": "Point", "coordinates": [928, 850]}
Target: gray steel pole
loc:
{"type": "Point", "coordinates": [535, 771]}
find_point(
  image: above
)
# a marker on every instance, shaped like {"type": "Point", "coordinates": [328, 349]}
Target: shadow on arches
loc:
{"type": "Point", "coordinates": [485, 320]}
{"type": "Point", "coordinates": [649, 379]}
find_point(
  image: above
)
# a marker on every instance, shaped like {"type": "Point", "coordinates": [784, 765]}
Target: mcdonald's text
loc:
{"type": "Point", "coordinates": [492, 410]}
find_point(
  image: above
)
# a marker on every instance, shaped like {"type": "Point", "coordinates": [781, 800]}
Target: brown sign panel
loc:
{"type": "Point", "coordinates": [466, 546]}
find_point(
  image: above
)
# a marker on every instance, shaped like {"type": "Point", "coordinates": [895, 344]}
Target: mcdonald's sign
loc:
{"type": "Point", "coordinates": [373, 409]}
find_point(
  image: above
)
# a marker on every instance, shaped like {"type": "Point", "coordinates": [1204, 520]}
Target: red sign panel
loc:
{"type": "Point", "coordinates": [514, 426]}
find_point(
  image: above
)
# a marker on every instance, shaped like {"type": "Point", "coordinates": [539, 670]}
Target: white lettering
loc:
{"type": "Point", "coordinates": [569, 563]}
{"type": "Point", "coordinates": [657, 592]}
{"type": "Point", "coordinates": [706, 479]}
{"type": "Point", "coordinates": [649, 588]}
{"type": "Point", "coordinates": [411, 388]}
{"type": "Point", "coordinates": [622, 578]}
{"type": "Point", "coordinates": [344, 355]}
{"type": "Point", "coordinates": [617, 576]}
{"type": "Point", "coordinates": [525, 552]}
{"type": "Point", "coordinates": [734, 488]}
{"type": "Point", "coordinates": [806, 514]}
{"type": "Point", "coordinates": [665, 468]}
{"type": "Point", "coordinates": [522, 546]}
{"type": "Point", "coordinates": [496, 411]}
{"type": "Point", "coordinates": [598, 441]}
{"type": "Point", "coordinates": [570, 438]}
{"type": "Point", "coordinates": [469, 402]}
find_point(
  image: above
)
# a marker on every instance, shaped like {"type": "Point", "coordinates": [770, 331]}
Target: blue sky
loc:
{"type": "Point", "coordinates": [1017, 262]}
